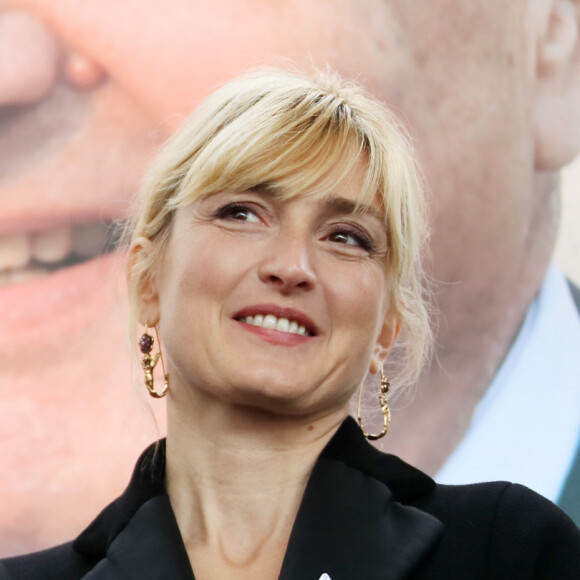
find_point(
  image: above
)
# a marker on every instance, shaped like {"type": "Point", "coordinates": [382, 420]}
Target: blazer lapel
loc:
{"type": "Point", "coordinates": [350, 527]}
{"type": "Point", "coordinates": [352, 524]}
{"type": "Point", "coordinates": [148, 548]}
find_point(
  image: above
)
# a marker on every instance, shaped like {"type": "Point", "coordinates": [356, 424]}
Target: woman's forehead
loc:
{"type": "Point", "coordinates": [347, 192]}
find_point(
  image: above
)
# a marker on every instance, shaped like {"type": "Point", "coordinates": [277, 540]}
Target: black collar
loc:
{"type": "Point", "coordinates": [352, 523]}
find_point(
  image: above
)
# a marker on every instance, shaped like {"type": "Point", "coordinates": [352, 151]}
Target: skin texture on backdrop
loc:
{"type": "Point", "coordinates": [88, 91]}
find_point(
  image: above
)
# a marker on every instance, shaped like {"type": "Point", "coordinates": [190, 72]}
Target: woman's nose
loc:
{"type": "Point", "coordinates": [29, 58]}
{"type": "Point", "coordinates": [287, 265]}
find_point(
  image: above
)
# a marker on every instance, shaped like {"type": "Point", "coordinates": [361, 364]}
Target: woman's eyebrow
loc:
{"type": "Point", "coordinates": [346, 206]}
{"type": "Point", "coordinates": [266, 189]}
{"type": "Point", "coordinates": [334, 205]}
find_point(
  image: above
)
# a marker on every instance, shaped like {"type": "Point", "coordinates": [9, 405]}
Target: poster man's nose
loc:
{"type": "Point", "coordinates": [29, 58]}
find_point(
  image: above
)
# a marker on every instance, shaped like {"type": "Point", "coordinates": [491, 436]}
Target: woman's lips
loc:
{"type": "Point", "coordinates": [276, 324]}
{"type": "Point", "coordinates": [279, 312]}
{"type": "Point", "coordinates": [275, 336]}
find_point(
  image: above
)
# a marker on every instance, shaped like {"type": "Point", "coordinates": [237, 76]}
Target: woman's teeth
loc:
{"type": "Point", "coordinates": [24, 256]}
{"type": "Point", "coordinates": [282, 324]}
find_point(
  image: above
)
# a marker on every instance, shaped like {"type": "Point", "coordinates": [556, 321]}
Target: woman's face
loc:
{"type": "Point", "coordinates": [258, 300]}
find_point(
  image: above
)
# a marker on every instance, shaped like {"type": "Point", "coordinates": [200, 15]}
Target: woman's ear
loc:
{"type": "Point", "coordinates": [142, 283]}
{"type": "Point", "coordinates": [386, 340]}
{"type": "Point", "coordinates": [557, 75]}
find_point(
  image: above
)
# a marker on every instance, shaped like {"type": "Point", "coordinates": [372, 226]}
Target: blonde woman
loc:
{"type": "Point", "coordinates": [273, 264]}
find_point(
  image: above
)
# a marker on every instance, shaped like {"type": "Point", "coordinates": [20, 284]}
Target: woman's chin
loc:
{"type": "Point", "coordinates": [287, 400]}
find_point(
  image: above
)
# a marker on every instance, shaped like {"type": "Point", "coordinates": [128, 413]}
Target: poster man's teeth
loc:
{"type": "Point", "coordinates": [48, 247]}
{"type": "Point", "coordinates": [89, 239]}
{"type": "Point", "coordinates": [20, 275]}
{"type": "Point", "coordinates": [23, 252]}
{"type": "Point", "coordinates": [14, 251]}
{"type": "Point", "coordinates": [51, 246]}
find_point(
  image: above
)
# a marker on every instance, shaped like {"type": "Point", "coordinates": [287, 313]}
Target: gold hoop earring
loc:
{"type": "Point", "coordinates": [383, 402]}
{"type": "Point", "coordinates": [148, 363]}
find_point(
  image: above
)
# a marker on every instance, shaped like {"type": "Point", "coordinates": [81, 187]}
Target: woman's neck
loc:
{"type": "Point", "coordinates": [235, 478]}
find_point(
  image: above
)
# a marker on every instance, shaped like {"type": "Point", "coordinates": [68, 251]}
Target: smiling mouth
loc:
{"type": "Point", "coordinates": [30, 255]}
{"type": "Point", "coordinates": [270, 322]}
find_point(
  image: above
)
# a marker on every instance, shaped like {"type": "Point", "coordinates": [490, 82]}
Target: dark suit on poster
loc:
{"type": "Point", "coordinates": [365, 515]}
{"type": "Point", "coordinates": [569, 499]}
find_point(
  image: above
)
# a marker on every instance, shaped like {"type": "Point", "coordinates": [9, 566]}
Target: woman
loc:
{"type": "Point", "coordinates": [275, 252]}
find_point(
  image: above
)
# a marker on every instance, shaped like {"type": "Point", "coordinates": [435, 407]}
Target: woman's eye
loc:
{"type": "Point", "coordinates": [352, 239]}
{"type": "Point", "coordinates": [237, 211]}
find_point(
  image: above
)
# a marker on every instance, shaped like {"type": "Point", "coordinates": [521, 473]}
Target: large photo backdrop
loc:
{"type": "Point", "coordinates": [89, 89]}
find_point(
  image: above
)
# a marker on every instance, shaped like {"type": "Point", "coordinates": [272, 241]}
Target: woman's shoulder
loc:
{"type": "Point", "coordinates": [502, 503]}
{"type": "Point", "coordinates": [61, 563]}
{"type": "Point", "coordinates": [508, 523]}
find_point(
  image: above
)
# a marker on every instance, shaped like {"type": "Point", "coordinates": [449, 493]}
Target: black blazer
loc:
{"type": "Point", "coordinates": [365, 515]}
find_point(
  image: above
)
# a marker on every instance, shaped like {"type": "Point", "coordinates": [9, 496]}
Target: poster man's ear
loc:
{"type": "Point", "coordinates": [557, 104]}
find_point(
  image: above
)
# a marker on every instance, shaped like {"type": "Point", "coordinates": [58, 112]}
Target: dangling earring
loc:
{"type": "Point", "coordinates": [383, 402]}
{"type": "Point", "coordinates": [148, 362]}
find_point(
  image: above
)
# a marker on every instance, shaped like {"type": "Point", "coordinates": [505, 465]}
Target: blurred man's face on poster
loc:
{"type": "Point", "coordinates": [88, 91]}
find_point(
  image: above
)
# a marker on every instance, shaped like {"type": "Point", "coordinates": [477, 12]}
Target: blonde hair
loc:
{"type": "Point", "coordinates": [298, 135]}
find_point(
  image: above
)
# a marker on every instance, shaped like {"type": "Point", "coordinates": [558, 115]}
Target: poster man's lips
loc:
{"type": "Point", "coordinates": [55, 307]}
{"type": "Point", "coordinates": [57, 275]}
{"type": "Point", "coordinates": [30, 254]}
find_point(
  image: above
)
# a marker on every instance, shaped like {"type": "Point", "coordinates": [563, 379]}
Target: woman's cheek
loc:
{"type": "Point", "coordinates": [361, 293]}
